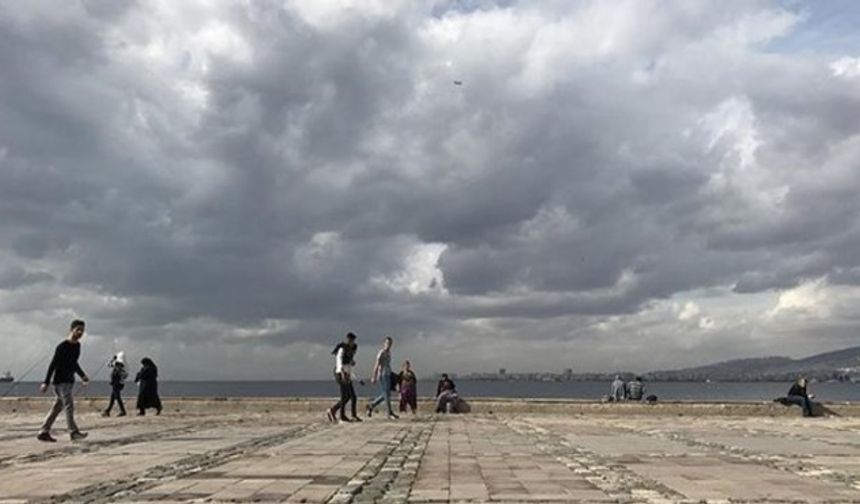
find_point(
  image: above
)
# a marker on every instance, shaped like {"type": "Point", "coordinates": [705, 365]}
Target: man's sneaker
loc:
{"type": "Point", "coordinates": [392, 416]}
{"type": "Point", "coordinates": [105, 413]}
{"type": "Point", "coordinates": [46, 437]}
{"type": "Point", "coordinates": [78, 435]}
{"type": "Point", "coordinates": [121, 413]}
{"type": "Point", "coordinates": [369, 411]}
{"type": "Point", "coordinates": [355, 419]}
{"type": "Point", "coordinates": [330, 416]}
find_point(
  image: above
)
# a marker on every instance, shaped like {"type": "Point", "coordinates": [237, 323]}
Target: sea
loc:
{"type": "Point", "coordinates": [669, 391]}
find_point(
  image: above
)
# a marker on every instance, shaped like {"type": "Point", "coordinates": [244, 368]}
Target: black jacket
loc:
{"type": "Point", "coordinates": [445, 385]}
{"type": "Point", "coordinates": [118, 376]}
{"type": "Point", "coordinates": [797, 390]}
{"type": "Point", "coordinates": [349, 351]}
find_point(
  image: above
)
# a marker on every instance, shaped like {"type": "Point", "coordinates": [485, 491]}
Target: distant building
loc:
{"type": "Point", "coordinates": [502, 371]}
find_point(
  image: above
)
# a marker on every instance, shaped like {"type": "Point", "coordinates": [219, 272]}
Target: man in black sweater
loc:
{"type": "Point", "coordinates": [62, 370]}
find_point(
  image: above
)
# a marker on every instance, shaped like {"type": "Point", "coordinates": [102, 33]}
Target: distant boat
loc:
{"type": "Point", "coordinates": [6, 377]}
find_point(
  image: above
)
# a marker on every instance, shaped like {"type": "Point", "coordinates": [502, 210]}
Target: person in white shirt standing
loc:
{"type": "Point", "coordinates": [344, 361]}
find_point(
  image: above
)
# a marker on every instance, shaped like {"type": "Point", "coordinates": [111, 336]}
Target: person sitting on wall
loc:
{"type": "Point", "coordinates": [797, 395]}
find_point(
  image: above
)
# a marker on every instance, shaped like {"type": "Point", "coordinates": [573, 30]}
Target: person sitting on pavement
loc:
{"type": "Point", "coordinates": [446, 395]}
{"type": "Point", "coordinates": [636, 389]}
{"type": "Point", "coordinates": [618, 393]}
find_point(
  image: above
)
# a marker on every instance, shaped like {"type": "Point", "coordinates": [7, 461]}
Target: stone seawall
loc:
{"type": "Point", "coordinates": [233, 405]}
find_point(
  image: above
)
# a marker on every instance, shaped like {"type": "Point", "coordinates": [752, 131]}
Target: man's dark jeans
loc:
{"type": "Point", "coordinates": [803, 402]}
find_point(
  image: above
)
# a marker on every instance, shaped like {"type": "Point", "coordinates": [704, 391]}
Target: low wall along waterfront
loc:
{"type": "Point", "coordinates": [231, 405]}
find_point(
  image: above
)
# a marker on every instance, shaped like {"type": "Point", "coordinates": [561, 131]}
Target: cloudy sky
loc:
{"type": "Point", "coordinates": [230, 186]}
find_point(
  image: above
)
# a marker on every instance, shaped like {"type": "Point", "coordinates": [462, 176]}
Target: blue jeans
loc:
{"type": "Point", "coordinates": [803, 402]}
{"type": "Point", "coordinates": [384, 391]}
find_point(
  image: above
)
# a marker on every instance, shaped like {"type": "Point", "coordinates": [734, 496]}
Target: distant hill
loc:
{"type": "Point", "coordinates": [843, 365]}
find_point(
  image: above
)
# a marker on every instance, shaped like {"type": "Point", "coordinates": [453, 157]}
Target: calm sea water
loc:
{"type": "Point", "coordinates": [469, 388]}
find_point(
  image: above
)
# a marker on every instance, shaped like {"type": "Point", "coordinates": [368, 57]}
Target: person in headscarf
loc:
{"type": "Point", "coordinates": [147, 394]}
{"type": "Point", "coordinates": [408, 388]}
{"type": "Point", "coordinates": [118, 376]}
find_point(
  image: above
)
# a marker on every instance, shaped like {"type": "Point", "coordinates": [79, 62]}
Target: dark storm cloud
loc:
{"type": "Point", "coordinates": [278, 172]}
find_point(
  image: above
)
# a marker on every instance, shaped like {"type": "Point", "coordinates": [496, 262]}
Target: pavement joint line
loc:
{"type": "Point", "coordinates": [615, 480]}
{"type": "Point", "coordinates": [758, 431]}
{"type": "Point", "coordinates": [793, 465]}
{"type": "Point", "coordinates": [385, 470]}
{"type": "Point", "coordinates": [401, 487]}
{"type": "Point", "coordinates": [129, 422]}
{"type": "Point", "coordinates": [30, 432]}
{"type": "Point", "coordinates": [128, 487]}
{"type": "Point", "coordinates": [82, 447]}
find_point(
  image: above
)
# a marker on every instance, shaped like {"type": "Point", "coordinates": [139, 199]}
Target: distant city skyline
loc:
{"type": "Point", "coordinates": [229, 187]}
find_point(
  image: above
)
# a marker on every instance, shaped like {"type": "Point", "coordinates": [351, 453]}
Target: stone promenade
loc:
{"type": "Point", "coordinates": [298, 457]}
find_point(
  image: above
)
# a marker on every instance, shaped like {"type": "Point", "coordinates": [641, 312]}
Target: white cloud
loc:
{"type": "Point", "coordinates": [420, 272]}
{"type": "Point", "coordinates": [846, 67]}
{"type": "Point", "coordinates": [689, 311]}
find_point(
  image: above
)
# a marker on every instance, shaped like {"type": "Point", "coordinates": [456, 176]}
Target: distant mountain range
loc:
{"type": "Point", "coordinates": [841, 365]}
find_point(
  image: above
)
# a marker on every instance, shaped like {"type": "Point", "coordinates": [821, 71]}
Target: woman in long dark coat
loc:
{"type": "Point", "coordinates": [147, 394]}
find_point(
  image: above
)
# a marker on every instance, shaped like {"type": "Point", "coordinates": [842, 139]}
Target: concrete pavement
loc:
{"type": "Point", "coordinates": [298, 457]}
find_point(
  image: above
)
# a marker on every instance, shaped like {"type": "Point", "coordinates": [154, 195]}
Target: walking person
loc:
{"type": "Point", "coordinates": [61, 373]}
{"type": "Point", "coordinates": [382, 374]}
{"type": "Point", "coordinates": [408, 388]}
{"type": "Point", "coordinates": [147, 394]}
{"type": "Point", "coordinates": [344, 361]}
{"type": "Point", "coordinates": [118, 376]}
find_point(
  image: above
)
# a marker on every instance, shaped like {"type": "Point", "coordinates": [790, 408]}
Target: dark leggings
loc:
{"type": "Point", "coordinates": [347, 395]}
{"type": "Point", "coordinates": [408, 397]}
{"type": "Point", "coordinates": [116, 396]}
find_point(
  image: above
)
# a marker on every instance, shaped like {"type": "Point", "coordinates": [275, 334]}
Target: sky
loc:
{"type": "Point", "coordinates": [229, 187]}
